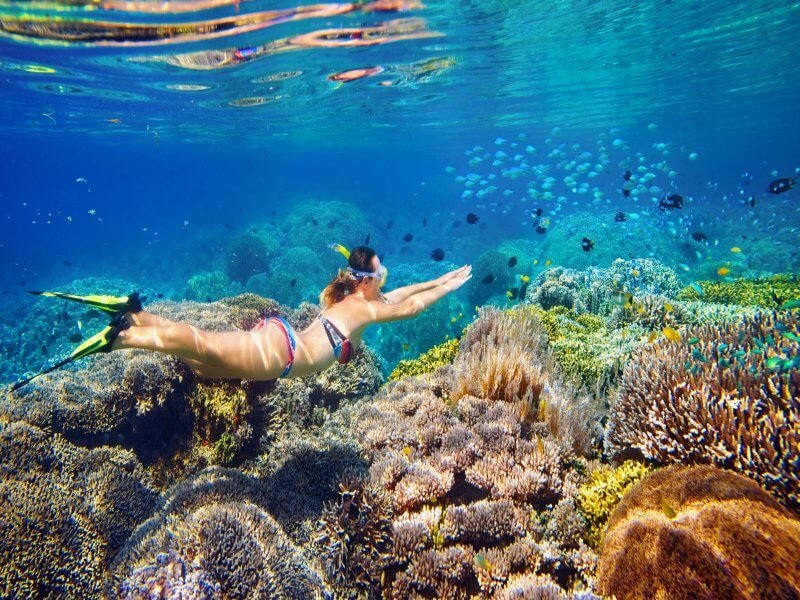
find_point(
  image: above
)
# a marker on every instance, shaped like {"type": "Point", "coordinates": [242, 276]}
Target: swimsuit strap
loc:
{"type": "Point", "coordinates": [291, 343]}
{"type": "Point", "coordinates": [342, 348]}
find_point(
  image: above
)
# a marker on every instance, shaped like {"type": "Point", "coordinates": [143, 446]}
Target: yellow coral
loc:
{"type": "Point", "coordinates": [223, 404]}
{"type": "Point", "coordinates": [768, 292]}
{"type": "Point", "coordinates": [600, 495]}
{"type": "Point", "coordinates": [436, 357]}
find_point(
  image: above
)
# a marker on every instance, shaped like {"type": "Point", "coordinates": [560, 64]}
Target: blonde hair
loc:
{"type": "Point", "coordinates": [340, 286]}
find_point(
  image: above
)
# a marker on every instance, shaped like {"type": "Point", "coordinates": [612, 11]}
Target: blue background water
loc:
{"type": "Point", "coordinates": [716, 78]}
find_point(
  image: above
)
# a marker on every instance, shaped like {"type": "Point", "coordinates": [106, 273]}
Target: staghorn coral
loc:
{"type": "Point", "coordinates": [215, 526]}
{"type": "Point", "coordinates": [700, 532]}
{"type": "Point", "coordinates": [766, 292]}
{"type": "Point", "coordinates": [730, 399]}
{"type": "Point", "coordinates": [438, 356]}
{"type": "Point", "coordinates": [599, 496]}
{"type": "Point", "coordinates": [66, 511]}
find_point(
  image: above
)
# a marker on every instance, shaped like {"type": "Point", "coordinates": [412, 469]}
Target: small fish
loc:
{"type": "Point", "coordinates": [66, 263]}
{"type": "Point", "coordinates": [697, 355]}
{"type": "Point", "coordinates": [723, 271]}
{"type": "Point", "coordinates": [784, 184]}
{"type": "Point", "coordinates": [627, 175]}
{"type": "Point", "coordinates": [696, 287]}
{"type": "Point", "coordinates": [789, 335]}
{"type": "Point", "coordinates": [512, 261]}
{"type": "Point", "coordinates": [791, 304]}
{"type": "Point", "coordinates": [652, 337]}
{"type": "Point", "coordinates": [406, 346]}
{"type": "Point", "coordinates": [424, 221]}
{"type": "Point", "coordinates": [692, 341]}
{"type": "Point", "coordinates": [773, 363]}
{"type": "Point", "coordinates": [535, 261]}
{"type": "Point", "coordinates": [699, 236]}
{"type": "Point", "coordinates": [92, 314]}
{"type": "Point", "coordinates": [513, 293]}
{"type": "Point", "coordinates": [472, 218]}
{"type": "Point", "coordinates": [407, 451]}
{"type": "Point", "coordinates": [489, 279]}
{"type": "Point", "coordinates": [482, 562]}
{"type": "Point", "coordinates": [736, 249]}
{"type": "Point", "coordinates": [389, 224]}
{"type": "Point", "coordinates": [366, 240]}
{"type": "Point", "coordinates": [75, 338]}
{"type": "Point", "coordinates": [292, 282]}
{"type": "Point", "coordinates": [626, 192]}
{"type": "Point", "coordinates": [159, 295]}
{"type": "Point", "coordinates": [453, 319]}
{"type": "Point", "coordinates": [619, 217]}
{"type": "Point", "coordinates": [668, 307]}
{"type": "Point", "coordinates": [670, 202]}
{"type": "Point", "coordinates": [522, 291]}
{"type": "Point", "coordinates": [621, 298]}
{"type": "Point", "coordinates": [548, 262]}
{"type": "Point", "coordinates": [114, 121]}
{"type": "Point", "coordinates": [525, 278]}
{"type": "Point", "coordinates": [587, 244]}
{"type": "Point", "coordinates": [536, 213]}
{"type": "Point", "coordinates": [408, 237]}
{"type": "Point", "coordinates": [437, 254]}
{"type": "Point", "coordinates": [671, 334]}
{"type": "Point", "coordinates": [635, 272]}
{"type": "Point", "coordinates": [668, 510]}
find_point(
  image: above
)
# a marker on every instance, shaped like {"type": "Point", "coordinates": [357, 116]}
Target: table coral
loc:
{"type": "Point", "coordinates": [700, 532]}
{"type": "Point", "coordinates": [728, 395]}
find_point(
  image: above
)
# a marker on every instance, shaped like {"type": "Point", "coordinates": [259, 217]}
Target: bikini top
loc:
{"type": "Point", "coordinates": [342, 348]}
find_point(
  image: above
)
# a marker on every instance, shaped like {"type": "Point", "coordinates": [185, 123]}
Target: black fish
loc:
{"type": "Point", "coordinates": [540, 229]}
{"type": "Point", "coordinates": [66, 263]}
{"type": "Point", "coordinates": [456, 224]}
{"type": "Point", "coordinates": [75, 338]}
{"type": "Point", "coordinates": [627, 176]}
{"type": "Point", "coordinates": [366, 240]}
{"type": "Point", "coordinates": [332, 224]}
{"type": "Point", "coordinates": [522, 291]}
{"type": "Point", "coordinates": [537, 212]}
{"type": "Point", "coordinates": [488, 279]}
{"type": "Point", "coordinates": [437, 254]}
{"type": "Point", "coordinates": [389, 224]}
{"type": "Point", "coordinates": [699, 236]}
{"type": "Point", "coordinates": [513, 293]}
{"type": "Point", "coordinates": [751, 200]}
{"type": "Point", "coordinates": [626, 192]}
{"type": "Point", "coordinates": [408, 237]}
{"type": "Point", "coordinates": [292, 282]}
{"type": "Point", "coordinates": [587, 244]}
{"type": "Point", "coordinates": [619, 217]}
{"type": "Point", "coordinates": [159, 295]}
{"type": "Point", "coordinates": [512, 261]}
{"type": "Point", "coordinates": [472, 218]}
{"type": "Point", "coordinates": [92, 314]}
{"type": "Point", "coordinates": [670, 202]}
{"type": "Point", "coordinates": [314, 222]}
{"type": "Point", "coordinates": [424, 221]}
{"type": "Point", "coordinates": [784, 184]}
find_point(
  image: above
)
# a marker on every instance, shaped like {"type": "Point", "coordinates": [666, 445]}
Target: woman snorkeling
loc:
{"type": "Point", "coordinates": [350, 302]}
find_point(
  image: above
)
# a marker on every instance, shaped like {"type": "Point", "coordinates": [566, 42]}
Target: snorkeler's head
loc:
{"type": "Point", "coordinates": [363, 268]}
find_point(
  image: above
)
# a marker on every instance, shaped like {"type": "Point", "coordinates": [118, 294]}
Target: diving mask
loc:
{"type": "Point", "coordinates": [380, 274]}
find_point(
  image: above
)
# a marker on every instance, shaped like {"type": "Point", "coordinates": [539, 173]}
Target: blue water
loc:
{"type": "Point", "coordinates": [113, 167]}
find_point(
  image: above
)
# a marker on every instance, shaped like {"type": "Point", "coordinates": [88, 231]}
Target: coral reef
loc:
{"type": "Point", "coordinates": [481, 488]}
{"type": "Point", "coordinates": [245, 255]}
{"type": "Point", "coordinates": [436, 357]}
{"type": "Point", "coordinates": [214, 528]}
{"type": "Point", "coordinates": [766, 292]}
{"type": "Point", "coordinates": [725, 395]}
{"type": "Point", "coordinates": [210, 286]}
{"type": "Point", "coordinates": [700, 532]}
{"type": "Point", "coordinates": [599, 496]}
{"type": "Point", "coordinates": [296, 275]}
{"type": "Point", "coordinates": [66, 511]}
{"type": "Point", "coordinates": [492, 277]}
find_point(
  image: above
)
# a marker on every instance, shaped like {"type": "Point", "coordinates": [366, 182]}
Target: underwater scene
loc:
{"type": "Point", "coordinates": [476, 299]}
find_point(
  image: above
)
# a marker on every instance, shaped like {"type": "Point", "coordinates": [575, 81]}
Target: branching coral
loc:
{"type": "Point", "coordinates": [66, 511]}
{"type": "Point", "coordinates": [700, 532]}
{"type": "Point", "coordinates": [440, 355]}
{"type": "Point", "coordinates": [728, 396]}
{"type": "Point", "coordinates": [768, 292]}
{"type": "Point", "coordinates": [214, 526]}
{"type": "Point", "coordinates": [599, 496]}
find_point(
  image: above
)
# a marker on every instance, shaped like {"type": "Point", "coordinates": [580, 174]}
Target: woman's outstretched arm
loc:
{"type": "Point", "coordinates": [405, 292]}
{"type": "Point", "coordinates": [416, 303]}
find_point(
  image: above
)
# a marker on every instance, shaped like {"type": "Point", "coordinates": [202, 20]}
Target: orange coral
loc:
{"type": "Point", "coordinates": [700, 532]}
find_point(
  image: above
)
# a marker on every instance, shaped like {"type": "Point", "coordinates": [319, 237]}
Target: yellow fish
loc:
{"type": "Point", "coordinates": [453, 319]}
{"type": "Point", "coordinates": [406, 451]}
{"type": "Point", "coordinates": [548, 262]}
{"type": "Point", "coordinates": [651, 338]}
{"type": "Point", "coordinates": [668, 510]}
{"type": "Point", "coordinates": [483, 562]}
{"type": "Point", "coordinates": [509, 293]}
{"type": "Point", "coordinates": [524, 278]}
{"type": "Point", "coordinates": [406, 346]}
{"type": "Point", "coordinates": [671, 334]}
{"type": "Point", "coordinates": [668, 307]}
{"type": "Point", "coordinates": [736, 249]}
{"type": "Point", "coordinates": [722, 271]}
{"type": "Point", "coordinates": [635, 272]}
{"type": "Point", "coordinates": [535, 261]}
{"type": "Point", "coordinates": [115, 121]}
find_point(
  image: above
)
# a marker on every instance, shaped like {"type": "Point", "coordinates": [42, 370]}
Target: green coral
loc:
{"type": "Point", "coordinates": [436, 357]}
{"type": "Point", "coordinates": [225, 449]}
{"type": "Point", "coordinates": [598, 497]}
{"type": "Point", "coordinates": [765, 292]}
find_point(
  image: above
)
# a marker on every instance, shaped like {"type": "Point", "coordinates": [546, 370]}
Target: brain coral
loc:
{"type": "Point", "coordinates": [700, 532]}
{"type": "Point", "coordinates": [66, 511]}
{"type": "Point", "coordinates": [214, 524]}
{"type": "Point", "coordinates": [725, 395]}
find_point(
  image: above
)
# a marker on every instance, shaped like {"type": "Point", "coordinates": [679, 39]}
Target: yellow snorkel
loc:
{"type": "Point", "coordinates": [341, 250]}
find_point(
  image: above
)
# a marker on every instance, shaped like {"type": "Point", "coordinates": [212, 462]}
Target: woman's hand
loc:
{"type": "Point", "coordinates": [455, 279]}
{"type": "Point", "coordinates": [452, 274]}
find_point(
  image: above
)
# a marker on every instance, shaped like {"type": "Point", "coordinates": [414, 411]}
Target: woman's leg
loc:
{"type": "Point", "coordinates": [230, 354]}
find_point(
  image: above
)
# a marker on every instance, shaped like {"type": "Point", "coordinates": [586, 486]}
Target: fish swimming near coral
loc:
{"type": "Point", "coordinates": [671, 334]}
{"type": "Point", "coordinates": [437, 254]}
{"type": "Point", "coordinates": [512, 262]}
{"type": "Point", "coordinates": [587, 244]}
{"type": "Point", "coordinates": [671, 202]}
{"type": "Point", "coordinates": [472, 218]}
{"type": "Point", "coordinates": [779, 186]}
{"type": "Point", "coordinates": [619, 217]}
